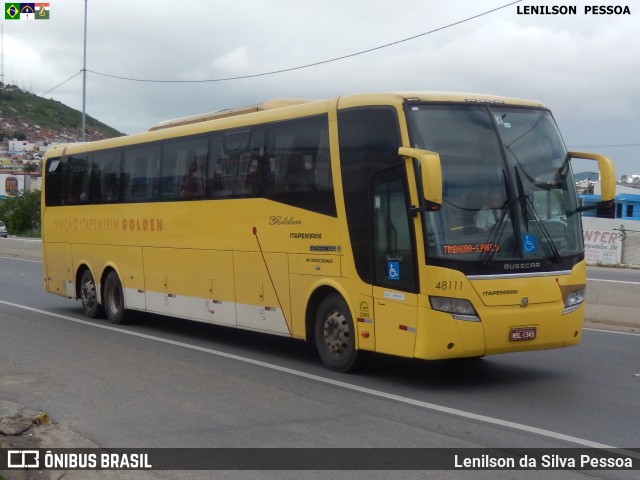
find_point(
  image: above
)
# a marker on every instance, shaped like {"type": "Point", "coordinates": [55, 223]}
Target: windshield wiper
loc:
{"type": "Point", "coordinates": [529, 211]}
{"type": "Point", "coordinates": [495, 234]}
{"type": "Point", "coordinates": [531, 220]}
{"type": "Point", "coordinates": [539, 224]}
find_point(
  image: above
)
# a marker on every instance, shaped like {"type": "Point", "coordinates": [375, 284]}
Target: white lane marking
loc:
{"type": "Point", "coordinates": [612, 281]}
{"type": "Point", "coordinates": [20, 259]}
{"type": "Point", "coordinates": [336, 383]}
{"type": "Point", "coordinates": [611, 331]}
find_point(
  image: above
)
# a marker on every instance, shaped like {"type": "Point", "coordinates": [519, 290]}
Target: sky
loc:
{"type": "Point", "coordinates": [585, 67]}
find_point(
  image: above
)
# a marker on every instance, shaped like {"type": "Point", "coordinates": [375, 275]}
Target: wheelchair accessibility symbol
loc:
{"type": "Point", "coordinates": [393, 270]}
{"type": "Point", "coordinates": [529, 244]}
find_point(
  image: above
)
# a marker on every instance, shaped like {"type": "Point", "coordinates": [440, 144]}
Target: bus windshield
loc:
{"type": "Point", "coordinates": [508, 189]}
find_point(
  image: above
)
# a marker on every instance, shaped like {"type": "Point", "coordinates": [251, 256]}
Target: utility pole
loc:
{"type": "Point", "coordinates": [2, 55]}
{"type": "Point", "coordinates": [84, 77]}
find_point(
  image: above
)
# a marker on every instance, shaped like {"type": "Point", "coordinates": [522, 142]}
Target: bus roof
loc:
{"type": "Point", "coordinates": [229, 112]}
{"type": "Point", "coordinates": [424, 96]}
{"type": "Point", "coordinates": [372, 97]}
{"type": "Point", "coordinates": [268, 111]}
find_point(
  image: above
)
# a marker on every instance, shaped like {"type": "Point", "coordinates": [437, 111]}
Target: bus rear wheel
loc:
{"type": "Point", "coordinates": [113, 299]}
{"type": "Point", "coordinates": [335, 334]}
{"type": "Point", "coordinates": [88, 295]}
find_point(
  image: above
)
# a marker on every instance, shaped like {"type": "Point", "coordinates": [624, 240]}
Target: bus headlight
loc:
{"type": "Point", "coordinates": [573, 300]}
{"type": "Point", "coordinates": [459, 308]}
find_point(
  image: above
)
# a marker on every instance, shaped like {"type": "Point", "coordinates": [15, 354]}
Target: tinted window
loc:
{"type": "Point", "coordinates": [55, 185]}
{"type": "Point", "coordinates": [234, 170]}
{"type": "Point", "coordinates": [287, 162]}
{"type": "Point", "coordinates": [140, 171]}
{"type": "Point", "coordinates": [183, 171]}
{"type": "Point", "coordinates": [107, 174]}
{"type": "Point", "coordinates": [297, 170]}
{"type": "Point", "coordinates": [369, 142]}
{"type": "Point", "coordinates": [79, 174]}
{"type": "Point", "coordinates": [394, 262]}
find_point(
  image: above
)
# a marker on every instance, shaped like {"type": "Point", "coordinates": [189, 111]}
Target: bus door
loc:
{"type": "Point", "coordinates": [394, 264]}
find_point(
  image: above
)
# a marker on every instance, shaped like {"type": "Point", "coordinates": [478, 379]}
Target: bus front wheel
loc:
{"type": "Point", "coordinates": [335, 334]}
{"type": "Point", "coordinates": [88, 296]}
{"type": "Point", "coordinates": [113, 299]}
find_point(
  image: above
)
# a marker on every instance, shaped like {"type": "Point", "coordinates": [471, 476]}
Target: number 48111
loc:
{"type": "Point", "coordinates": [449, 285]}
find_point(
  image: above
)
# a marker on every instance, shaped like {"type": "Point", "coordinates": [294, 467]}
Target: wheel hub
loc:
{"type": "Point", "coordinates": [88, 293]}
{"type": "Point", "coordinates": [336, 332]}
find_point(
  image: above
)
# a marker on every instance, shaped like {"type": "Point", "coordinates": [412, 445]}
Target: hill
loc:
{"type": "Point", "coordinates": [24, 115]}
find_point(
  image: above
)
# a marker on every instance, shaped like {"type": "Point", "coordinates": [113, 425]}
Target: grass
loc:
{"type": "Point", "coordinates": [46, 113]}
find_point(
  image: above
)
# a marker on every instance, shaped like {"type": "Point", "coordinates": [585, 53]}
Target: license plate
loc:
{"type": "Point", "coordinates": [522, 333]}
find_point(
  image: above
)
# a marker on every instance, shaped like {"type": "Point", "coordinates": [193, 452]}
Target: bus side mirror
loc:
{"type": "Point", "coordinates": [430, 171]}
{"type": "Point", "coordinates": [607, 179]}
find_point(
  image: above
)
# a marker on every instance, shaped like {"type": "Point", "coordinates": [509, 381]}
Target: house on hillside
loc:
{"type": "Point", "coordinates": [19, 146]}
{"type": "Point", "coordinates": [22, 146]}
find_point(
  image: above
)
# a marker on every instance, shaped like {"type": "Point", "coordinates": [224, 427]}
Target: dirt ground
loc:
{"type": "Point", "coordinates": [48, 434]}
{"type": "Point", "coordinates": [619, 326]}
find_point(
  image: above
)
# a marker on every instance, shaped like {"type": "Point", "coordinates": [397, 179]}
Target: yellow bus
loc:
{"type": "Point", "coordinates": [425, 225]}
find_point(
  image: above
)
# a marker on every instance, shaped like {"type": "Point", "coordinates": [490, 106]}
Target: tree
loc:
{"type": "Point", "coordinates": [22, 213]}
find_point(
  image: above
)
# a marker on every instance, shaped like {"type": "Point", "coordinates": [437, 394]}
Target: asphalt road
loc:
{"type": "Point", "coordinates": [168, 383]}
{"type": "Point", "coordinates": [614, 274]}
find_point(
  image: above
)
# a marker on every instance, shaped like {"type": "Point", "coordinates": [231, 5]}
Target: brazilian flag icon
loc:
{"type": "Point", "coordinates": [12, 11]}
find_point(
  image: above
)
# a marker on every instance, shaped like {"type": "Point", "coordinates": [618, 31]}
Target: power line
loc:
{"type": "Point", "coordinates": [315, 64]}
{"type": "Point", "coordinates": [615, 145]}
{"type": "Point", "coordinates": [291, 69]}
{"type": "Point", "coordinates": [60, 84]}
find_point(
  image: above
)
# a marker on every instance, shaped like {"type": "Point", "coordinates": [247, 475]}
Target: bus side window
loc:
{"type": "Point", "coordinates": [79, 175]}
{"type": "Point", "coordinates": [94, 179]}
{"type": "Point", "coordinates": [278, 153]}
{"type": "Point", "coordinates": [183, 170]}
{"type": "Point", "coordinates": [193, 167]}
{"type": "Point", "coordinates": [249, 181]}
{"type": "Point", "coordinates": [300, 174]}
{"type": "Point", "coordinates": [298, 166]}
{"type": "Point", "coordinates": [109, 176]}
{"type": "Point", "coordinates": [215, 183]}
{"type": "Point", "coordinates": [168, 181]}
{"type": "Point", "coordinates": [224, 176]}
{"type": "Point", "coordinates": [235, 169]}
{"type": "Point", "coordinates": [56, 181]}
{"type": "Point", "coordinates": [139, 172]}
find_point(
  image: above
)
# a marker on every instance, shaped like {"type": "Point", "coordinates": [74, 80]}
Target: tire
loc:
{"type": "Point", "coordinates": [335, 334]}
{"type": "Point", "coordinates": [113, 299]}
{"type": "Point", "coordinates": [88, 295]}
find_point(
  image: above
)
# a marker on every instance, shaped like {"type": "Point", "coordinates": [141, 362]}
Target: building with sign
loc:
{"type": "Point", "coordinates": [627, 202]}
{"type": "Point", "coordinates": [14, 181]}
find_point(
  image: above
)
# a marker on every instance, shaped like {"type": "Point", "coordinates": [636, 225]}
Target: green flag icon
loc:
{"type": "Point", "coordinates": [12, 11]}
{"type": "Point", "coordinates": [42, 11]}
